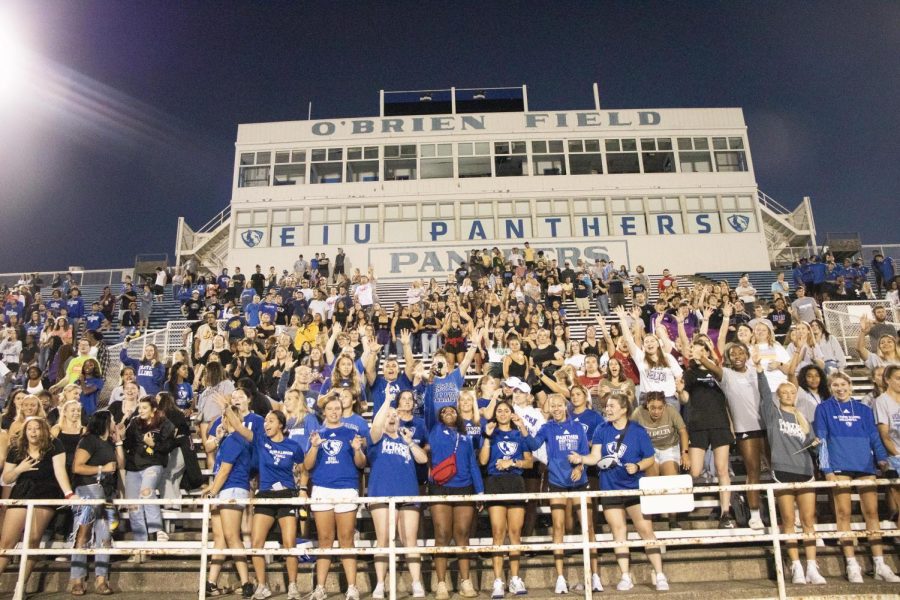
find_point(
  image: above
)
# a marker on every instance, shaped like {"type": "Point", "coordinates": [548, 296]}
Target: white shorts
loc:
{"type": "Point", "coordinates": [319, 492]}
{"type": "Point", "coordinates": [672, 454]}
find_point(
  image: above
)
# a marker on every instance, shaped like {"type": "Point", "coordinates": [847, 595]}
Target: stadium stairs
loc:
{"type": "Point", "coordinates": [735, 570]}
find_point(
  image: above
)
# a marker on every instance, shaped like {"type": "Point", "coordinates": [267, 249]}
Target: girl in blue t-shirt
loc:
{"type": "Point", "coordinates": [179, 386]}
{"type": "Point", "coordinates": [91, 383]}
{"type": "Point", "coordinates": [231, 482]}
{"type": "Point", "coordinates": [336, 455]}
{"type": "Point", "coordinates": [453, 521]}
{"type": "Point", "coordinates": [443, 389]}
{"type": "Point", "coordinates": [623, 450]}
{"type": "Point", "coordinates": [505, 455]}
{"type": "Point", "coordinates": [151, 374]}
{"type": "Point", "coordinates": [393, 456]}
{"type": "Point", "coordinates": [278, 458]}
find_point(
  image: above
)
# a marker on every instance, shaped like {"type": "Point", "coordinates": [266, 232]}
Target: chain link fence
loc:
{"type": "Point", "coordinates": [842, 319]}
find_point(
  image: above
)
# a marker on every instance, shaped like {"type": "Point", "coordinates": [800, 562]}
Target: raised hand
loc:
{"type": "Point", "coordinates": [489, 428]}
{"type": "Point", "coordinates": [357, 443]}
{"type": "Point", "coordinates": [404, 337]}
{"type": "Point", "coordinates": [28, 464]}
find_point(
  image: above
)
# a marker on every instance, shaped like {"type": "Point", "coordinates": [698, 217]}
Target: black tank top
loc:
{"type": "Point", "coordinates": [542, 355]}
{"type": "Point", "coordinates": [518, 369]}
{"type": "Point", "coordinates": [591, 349]}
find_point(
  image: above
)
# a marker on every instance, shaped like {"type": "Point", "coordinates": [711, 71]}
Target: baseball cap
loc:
{"type": "Point", "coordinates": [517, 384]}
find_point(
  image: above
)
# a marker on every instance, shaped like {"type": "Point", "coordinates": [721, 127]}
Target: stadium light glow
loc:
{"type": "Point", "coordinates": [14, 59]}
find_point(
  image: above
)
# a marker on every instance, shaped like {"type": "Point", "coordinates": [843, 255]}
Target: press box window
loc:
{"type": "Point", "coordinates": [436, 161]}
{"type": "Point", "coordinates": [549, 157]}
{"type": "Point", "coordinates": [585, 157]}
{"type": "Point", "coordinates": [510, 159]}
{"type": "Point", "coordinates": [290, 167]}
{"type": "Point", "coordinates": [730, 156]}
{"type": "Point", "coordinates": [622, 156]}
{"type": "Point", "coordinates": [362, 163]}
{"type": "Point", "coordinates": [693, 155]}
{"type": "Point", "coordinates": [400, 162]}
{"type": "Point", "coordinates": [327, 165]}
{"type": "Point", "coordinates": [657, 155]}
{"type": "Point", "coordinates": [474, 159]}
{"type": "Point", "coordinates": [255, 169]}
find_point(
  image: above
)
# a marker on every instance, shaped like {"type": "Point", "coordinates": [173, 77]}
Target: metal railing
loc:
{"type": "Point", "coordinates": [772, 204]}
{"type": "Point", "coordinates": [215, 222]}
{"type": "Point", "coordinates": [842, 320]}
{"type": "Point", "coordinates": [585, 545]}
{"type": "Point", "coordinates": [86, 277]}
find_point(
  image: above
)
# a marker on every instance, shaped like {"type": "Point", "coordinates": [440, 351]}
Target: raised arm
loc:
{"type": "Point", "coordinates": [474, 345]}
{"type": "Point", "coordinates": [377, 429]}
{"type": "Point", "coordinates": [409, 366]}
{"type": "Point", "coordinates": [329, 345]}
{"type": "Point", "coordinates": [626, 331]}
{"type": "Point", "coordinates": [865, 326]}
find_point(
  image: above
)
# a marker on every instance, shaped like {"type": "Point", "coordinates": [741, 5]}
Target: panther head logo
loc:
{"type": "Point", "coordinates": [739, 222]}
{"type": "Point", "coordinates": [252, 237]}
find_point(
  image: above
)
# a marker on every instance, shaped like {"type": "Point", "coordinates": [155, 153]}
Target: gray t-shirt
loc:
{"type": "Point", "coordinates": [742, 392]}
{"type": "Point", "coordinates": [887, 412]}
{"type": "Point", "coordinates": [787, 439]}
{"type": "Point", "coordinates": [209, 409]}
{"type": "Point", "coordinates": [805, 308]}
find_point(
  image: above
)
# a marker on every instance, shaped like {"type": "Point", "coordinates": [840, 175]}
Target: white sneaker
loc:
{"type": "Point", "coordinates": [442, 593]}
{"type": "Point", "coordinates": [561, 587]}
{"type": "Point", "coordinates": [884, 573]}
{"type": "Point", "coordinates": [162, 536]}
{"type": "Point", "coordinates": [378, 592]}
{"type": "Point", "coordinates": [318, 593]}
{"type": "Point", "coordinates": [854, 573]}
{"type": "Point", "coordinates": [662, 583]}
{"type": "Point", "coordinates": [797, 575]}
{"type": "Point", "coordinates": [262, 592]}
{"type": "Point", "coordinates": [418, 590]}
{"type": "Point", "coordinates": [813, 576]}
{"type": "Point", "coordinates": [517, 586]}
{"type": "Point", "coordinates": [352, 593]}
{"type": "Point", "coordinates": [596, 584]}
{"type": "Point", "coordinates": [756, 523]}
{"type": "Point", "coordinates": [498, 589]}
{"type": "Point", "coordinates": [625, 583]}
{"type": "Point", "coordinates": [466, 589]}
{"type": "Point", "coordinates": [293, 592]}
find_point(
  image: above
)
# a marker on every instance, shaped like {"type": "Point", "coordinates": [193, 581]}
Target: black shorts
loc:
{"type": "Point", "coordinates": [505, 484]}
{"type": "Point", "coordinates": [442, 490]}
{"type": "Point", "coordinates": [619, 501]}
{"type": "Point", "coordinates": [558, 489]}
{"type": "Point", "coordinates": [158, 290]}
{"type": "Point", "coordinates": [277, 511]}
{"type": "Point", "coordinates": [749, 435]}
{"type": "Point", "coordinates": [706, 438]}
{"type": "Point", "coordinates": [853, 474]}
{"type": "Point", "coordinates": [786, 477]}
{"type": "Point", "coordinates": [534, 472]}
{"type": "Point", "coordinates": [891, 474]}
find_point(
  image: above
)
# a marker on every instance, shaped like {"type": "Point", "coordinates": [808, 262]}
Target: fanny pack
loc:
{"type": "Point", "coordinates": [445, 470]}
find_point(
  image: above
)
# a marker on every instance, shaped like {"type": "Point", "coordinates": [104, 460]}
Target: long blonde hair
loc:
{"type": "Point", "coordinates": [801, 420]}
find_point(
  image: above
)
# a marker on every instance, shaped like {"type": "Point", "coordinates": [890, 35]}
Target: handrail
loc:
{"type": "Point", "coordinates": [215, 221]}
{"type": "Point", "coordinates": [585, 544]}
{"type": "Point", "coordinates": [770, 202]}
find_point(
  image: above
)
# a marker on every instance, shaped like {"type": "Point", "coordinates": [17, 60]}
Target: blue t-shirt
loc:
{"type": "Point", "coordinates": [276, 462]}
{"type": "Point", "coordinates": [93, 321]}
{"type": "Point", "coordinates": [443, 391]}
{"type": "Point", "coordinates": [633, 448]}
{"type": "Point", "coordinates": [420, 434]}
{"type": "Point", "coordinates": [301, 430]}
{"type": "Point", "coordinates": [381, 387]}
{"type": "Point", "coordinates": [89, 401]}
{"type": "Point", "coordinates": [589, 420]}
{"type": "Point", "coordinates": [358, 424]}
{"type": "Point", "coordinates": [184, 394]}
{"type": "Point", "coordinates": [393, 468]}
{"type": "Point", "coordinates": [235, 450]}
{"type": "Point", "coordinates": [562, 439]}
{"type": "Point", "coordinates": [445, 441]}
{"type": "Point", "coordinates": [334, 466]}
{"type": "Point", "coordinates": [510, 445]}
{"type": "Point", "coordinates": [254, 423]}
{"type": "Point", "coordinates": [473, 430]}
{"type": "Point", "coordinates": [252, 312]}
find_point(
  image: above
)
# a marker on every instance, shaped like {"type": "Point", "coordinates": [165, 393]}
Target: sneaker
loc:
{"type": "Point", "coordinates": [418, 590]}
{"type": "Point", "coordinates": [498, 589]}
{"type": "Point", "coordinates": [466, 589]}
{"type": "Point", "coordinates": [262, 592]}
{"type": "Point", "coordinates": [662, 583]}
{"type": "Point", "coordinates": [625, 583]}
{"type": "Point", "coordinates": [576, 586]}
{"type": "Point", "coordinates": [442, 593]}
{"type": "Point", "coordinates": [813, 576]}
{"type": "Point", "coordinates": [293, 592]}
{"type": "Point", "coordinates": [162, 536]}
{"type": "Point", "coordinates": [674, 525]}
{"type": "Point", "coordinates": [318, 593]}
{"type": "Point", "coordinates": [854, 573]}
{"type": "Point", "coordinates": [596, 584]}
{"type": "Point", "coordinates": [727, 522]}
{"type": "Point", "coordinates": [884, 573]}
{"type": "Point", "coordinates": [378, 592]}
{"type": "Point", "coordinates": [561, 587]}
{"type": "Point", "coordinates": [247, 590]}
{"type": "Point", "coordinates": [352, 593]}
{"type": "Point", "coordinates": [517, 586]}
{"type": "Point", "coordinates": [797, 575]}
{"type": "Point", "coordinates": [756, 524]}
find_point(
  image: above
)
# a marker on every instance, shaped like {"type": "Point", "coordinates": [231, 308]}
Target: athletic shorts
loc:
{"type": "Point", "coordinates": [671, 454]}
{"type": "Point", "coordinates": [565, 490]}
{"type": "Point", "coordinates": [619, 501]}
{"type": "Point", "coordinates": [710, 438]}
{"type": "Point", "coordinates": [442, 490]}
{"type": "Point", "coordinates": [853, 474]}
{"type": "Point", "coordinates": [750, 435]}
{"type": "Point", "coordinates": [276, 511]}
{"type": "Point", "coordinates": [505, 484]}
{"type": "Point", "coordinates": [233, 494]}
{"type": "Point", "coordinates": [786, 477]}
{"type": "Point", "coordinates": [323, 493]}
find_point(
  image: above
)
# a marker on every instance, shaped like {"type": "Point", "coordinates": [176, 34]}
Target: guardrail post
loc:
{"type": "Point", "coordinates": [585, 547]}
{"type": "Point", "coordinates": [19, 594]}
{"type": "Point", "coordinates": [204, 549]}
{"type": "Point", "coordinates": [776, 542]}
{"type": "Point", "coordinates": [392, 547]}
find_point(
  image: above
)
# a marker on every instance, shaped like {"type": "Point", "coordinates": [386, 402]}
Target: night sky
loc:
{"type": "Point", "coordinates": [130, 114]}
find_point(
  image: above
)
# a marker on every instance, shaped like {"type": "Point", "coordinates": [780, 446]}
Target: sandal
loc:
{"type": "Point", "coordinates": [102, 588]}
{"type": "Point", "coordinates": [212, 591]}
{"type": "Point", "coordinates": [78, 589]}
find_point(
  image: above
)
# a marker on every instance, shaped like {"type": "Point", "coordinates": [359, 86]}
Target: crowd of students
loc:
{"type": "Point", "coordinates": [278, 372]}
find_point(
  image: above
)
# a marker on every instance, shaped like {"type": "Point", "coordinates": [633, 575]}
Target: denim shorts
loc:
{"type": "Point", "coordinates": [234, 493]}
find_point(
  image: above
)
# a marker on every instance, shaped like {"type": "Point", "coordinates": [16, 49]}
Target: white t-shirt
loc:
{"type": "Point", "coordinates": [533, 419]}
{"type": "Point", "coordinates": [161, 278]}
{"type": "Point", "coordinates": [658, 379]}
{"type": "Point", "coordinates": [768, 354]}
{"type": "Point", "coordinates": [364, 294]}
{"type": "Point", "coordinates": [887, 412]}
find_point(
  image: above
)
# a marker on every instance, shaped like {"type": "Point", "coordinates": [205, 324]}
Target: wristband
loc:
{"type": "Point", "coordinates": [69, 495]}
{"type": "Point", "coordinates": [118, 444]}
